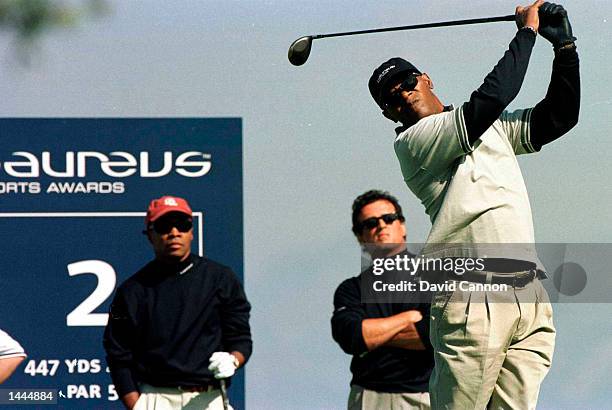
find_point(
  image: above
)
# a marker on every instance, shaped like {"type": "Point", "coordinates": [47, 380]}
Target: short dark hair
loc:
{"type": "Point", "coordinates": [368, 197]}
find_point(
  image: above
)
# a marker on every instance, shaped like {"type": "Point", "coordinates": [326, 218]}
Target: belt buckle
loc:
{"type": "Point", "coordinates": [522, 280]}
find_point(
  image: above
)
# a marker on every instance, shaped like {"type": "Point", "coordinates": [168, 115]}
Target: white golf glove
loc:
{"type": "Point", "coordinates": [223, 365]}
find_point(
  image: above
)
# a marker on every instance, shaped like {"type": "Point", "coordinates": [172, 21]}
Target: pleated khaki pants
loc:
{"type": "Point", "coordinates": [492, 349]}
{"type": "Point", "coordinates": [364, 399]}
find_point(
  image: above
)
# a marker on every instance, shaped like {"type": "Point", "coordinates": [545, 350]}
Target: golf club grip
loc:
{"type": "Point", "coordinates": [224, 394]}
{"type": "Point", "coordinates": [509, 17]}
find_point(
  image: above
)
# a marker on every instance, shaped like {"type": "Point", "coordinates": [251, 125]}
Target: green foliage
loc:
{"type": "Point", "coordinates": [28, 19]}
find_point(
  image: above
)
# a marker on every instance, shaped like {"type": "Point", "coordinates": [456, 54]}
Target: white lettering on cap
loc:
{"type": "Point", "coordinates": [385, 71]}
{"type": "Point", "coordinates": [170, 202]}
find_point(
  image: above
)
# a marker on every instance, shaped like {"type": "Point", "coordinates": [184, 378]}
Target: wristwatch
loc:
{"type": "Point", "coordinates": [530, 28]}
{"type": "Point", "coordinates": [566, 46]}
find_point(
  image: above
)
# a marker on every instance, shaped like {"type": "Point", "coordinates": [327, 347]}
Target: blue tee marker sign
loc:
{"type": "Point", "coordinates": [73, 195]}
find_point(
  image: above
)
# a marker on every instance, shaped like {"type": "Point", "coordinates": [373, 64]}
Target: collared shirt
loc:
{"type": "Point", "coordinates": [474, 195]}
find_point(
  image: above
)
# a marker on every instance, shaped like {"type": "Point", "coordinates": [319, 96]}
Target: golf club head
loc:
{"type": "Point", "coordinates": [300, 50]}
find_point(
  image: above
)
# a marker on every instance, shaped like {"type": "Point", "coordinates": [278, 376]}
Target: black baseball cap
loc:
{"type": "Point", "coordinates": [383, 75]}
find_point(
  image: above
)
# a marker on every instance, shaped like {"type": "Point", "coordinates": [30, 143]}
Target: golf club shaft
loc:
{"type": "Point", "coordinates": [509, 17]}
{"type": "Point", "coordinates": [224, 394]}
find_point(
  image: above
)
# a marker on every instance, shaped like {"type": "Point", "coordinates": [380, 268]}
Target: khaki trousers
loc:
{"type": "Point", "coordinates": [364, 399]}
{"type": "Point", "coordinates": [491, 349]}
{"type": "Point", "coordinates": [170, 398]}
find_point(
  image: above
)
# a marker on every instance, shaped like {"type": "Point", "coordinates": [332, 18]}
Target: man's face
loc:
{"type": "Point", "coordinates": [410, 105]}
{"type": "Point", "coordinates": [171, 237]}
{"type": "Point", "coordinates": [386, 238]}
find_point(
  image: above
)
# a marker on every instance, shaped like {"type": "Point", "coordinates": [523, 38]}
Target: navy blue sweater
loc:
{"type": "Point", "coordinates": [385, 369]}
{"type": "Point", "coordinates": [167, 320]}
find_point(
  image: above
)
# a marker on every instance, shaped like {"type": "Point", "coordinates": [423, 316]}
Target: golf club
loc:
{"type": "Point", "coordinates": [224, 397]}
{"type": "Point", "coordinates": [300, 49]}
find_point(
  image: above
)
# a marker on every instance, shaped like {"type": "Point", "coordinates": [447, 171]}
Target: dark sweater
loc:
{"type": "Point", "coordinates": [385, 369]}
{"type": "Point", "coordinates": [167, 320]}
{"type": "Point", "coordinates": [552, 117]}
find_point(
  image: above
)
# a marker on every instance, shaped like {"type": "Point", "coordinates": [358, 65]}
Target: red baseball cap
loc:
{"type": "Point", "coordinates": [161, 206]}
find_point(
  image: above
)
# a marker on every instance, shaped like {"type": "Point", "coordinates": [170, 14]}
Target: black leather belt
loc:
{"type": "Point", "coordinates": [523, 273]}
{"type": "Point", "coordinates": [502, 265]}
{"type": "Point", "coordinates": [197, 389]}
{"type": "Point", "coordinates": [518, 280]}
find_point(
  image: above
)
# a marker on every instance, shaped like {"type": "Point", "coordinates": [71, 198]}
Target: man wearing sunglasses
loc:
{"type": "Point", "coordinates": [461, 163]}
{"type": "Point", "coordinates": [392, 357]}
{"type": "Point", "coordinates": [179, 324]}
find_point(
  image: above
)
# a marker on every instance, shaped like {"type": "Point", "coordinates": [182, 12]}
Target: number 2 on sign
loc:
{"type": "Point", "coordinates": [82, 315]}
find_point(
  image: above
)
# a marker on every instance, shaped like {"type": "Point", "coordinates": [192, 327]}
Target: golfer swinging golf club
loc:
{"type": "Point", "coordinates": [492, 349]}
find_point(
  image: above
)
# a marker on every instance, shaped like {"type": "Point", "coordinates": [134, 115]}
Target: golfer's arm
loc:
{"type": "Point", "coordinates": [558, 112]}
{"type": "Point", "coordinates": [408, 338]}
{"type": "Point", "coordinates": [239, 356]}
{"type": "Point", "coordinates": [8, 366]}
{"type": "Point", "coordinates": [118, 341]}
{"type": "Point", "coordinates": [234, 316]}
{"type": "Point", "coordinates": [500, 86]}
{"type": "Point", "coordinates": [129, 400]}
{"type": "Point", "coordinates": [377, 332]}
{"type": "Point", "coordinates": [347, 319]}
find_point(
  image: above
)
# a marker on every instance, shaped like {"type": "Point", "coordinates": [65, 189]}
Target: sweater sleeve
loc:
{"type": "Point", "coordinates": [500, 86]}
{"type": "Point", "coordinates": [558, 112]}
{"type": "Point", "coordinates": [118, 341]}
{"type": "Point", "coordinates": [235, 313]}
{"type": "Point", "coordinates": [347, 318]}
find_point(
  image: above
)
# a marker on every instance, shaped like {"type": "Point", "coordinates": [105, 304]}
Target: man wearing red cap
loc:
{"type": "Point", "coordinates": [179, 324]}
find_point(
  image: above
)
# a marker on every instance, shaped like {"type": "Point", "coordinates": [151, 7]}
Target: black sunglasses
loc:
{"type": "Point", "coordinates": [164, 225]}
{"type": "Point", "coordinates": [395, 98]}
{"type": "Point", "coordinates": [371, 223]}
